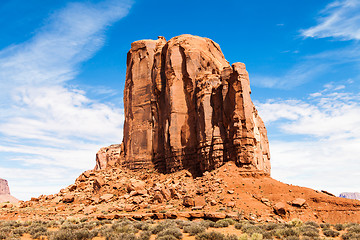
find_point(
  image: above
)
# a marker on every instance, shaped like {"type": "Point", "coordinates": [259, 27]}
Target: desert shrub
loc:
{"type": "Point", "coordinates": [221, 223]}
{"type": "Point", "coordinates": [256, 236]}
{"type": "Point", "coordinates": [207, 223]}
{"type": "Point", "coordinates": [309, 231]}
{"type": "Point", "coordinates": [354, 228]}
{"type": "Point", "coordinates": [70, 226]}
{"type": "Point", "coordinates": [72, 219]}
{"type": "Point", "coordinates": [238, 225]}
{"type": "Point", "coordinates": [124, 226]}
{"type": "Point", "coordinates": [141, 225]}
{"type": "Point", "coordinates": [325, 225]}
{"type": "Point", "coordinates": [194, 229]}
{"type": "Point", "coordinates": [243, 236]}
{"type": "Point", "coordinates": [295, 222]}
{"type": "Point", "coordinates": [6, 229]}
{"type": "Point", "coordinates": [19, 231]}
{"type": "Point", "coordinates": [144, 235]}
{"type": "Point", "coordinates": [3, 235]}
{"type": "Point", "coordinates": [348, 225]}
{"type": "Point", "coordinates": [53, 223]}
{"type": "Point", "coordinates": [268, 235]}
{"type": "Point", "coordinates": [210, 236]}
{"type": "Point", "coordinates": [330, 233]}
{"type": "Point", "coordinates": [339, 227]}
{"type": "Point", "coordinates": [174, 231]}
{"type": "Point", "coordinates": [230, 221]}
{"type": "Point", "coordinates": [286, 232]}
{"type": "Point", "coordinates": [231, 237]}
{"type": "Point", "coordinates": [167, 237]}
{"type": "Point", "coordinates": [311, 223]}
{"type": "Point", "coordinates": [38, 231]}
{"type": "Point", "coordinates": [250, 229]}
{"type": "Point", "coordinates": [269, 226]}
{"type": "Point", "coordinates": [39, 235]}
{"type": "Point", "coordinates": [163, 225]}
{"type": "Point", "coordinates": [182, 223]}
{"type": "Point", "coordinates": [122, 236]}
{"type": "Point", "coordinates": [350, 236]}
{"type": "Point", "coordinates": [62, 234]}
{"type": "Point", "coordinates": [310, 238]}
{"type": "Point", "coordinates": [293, 238]}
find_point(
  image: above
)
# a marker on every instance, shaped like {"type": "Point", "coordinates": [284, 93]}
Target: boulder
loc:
{"type": "Point", "coordinates": [135, 185]}
{"type": "Point", "coordinates": [298, 202]}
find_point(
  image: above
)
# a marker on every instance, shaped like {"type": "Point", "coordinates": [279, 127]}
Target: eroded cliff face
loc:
{"type": "Point", "coordinates": [4, 187]}
{"type": "Point", "coordinates": [187, 108]}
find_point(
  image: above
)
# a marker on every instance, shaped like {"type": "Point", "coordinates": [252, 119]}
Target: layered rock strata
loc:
{"type": "Point", "coordinates": [187, 108]}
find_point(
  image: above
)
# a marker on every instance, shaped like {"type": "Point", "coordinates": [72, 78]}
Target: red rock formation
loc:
{"type": "Point", "coordinates": [187, 108]}
{"type": "Point", "coordinates": [5, 192]}
{"type": "Point", "coordinates": [4, 187]}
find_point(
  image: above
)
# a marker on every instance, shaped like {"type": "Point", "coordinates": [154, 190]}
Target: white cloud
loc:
{"type": "Point", "coordinates": [318, 141]}
{"type": "Point", "coordinates": [340, 19]}
{"type": "Point", "coordinates": [49, 130]}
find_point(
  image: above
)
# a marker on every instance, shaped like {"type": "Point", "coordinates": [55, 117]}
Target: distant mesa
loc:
{"type": "Point", "coordinates": [350, 195]}
{"type": "Point", "coordinates": [5, 192]}
{"type": "Point", "coordinates": [187, 108]}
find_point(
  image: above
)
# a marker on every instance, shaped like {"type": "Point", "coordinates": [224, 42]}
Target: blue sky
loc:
{"type": "Point", "coordinates": [63, 65]}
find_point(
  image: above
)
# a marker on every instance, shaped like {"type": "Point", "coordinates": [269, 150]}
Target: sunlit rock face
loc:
{"type": "Point", "coordinates": [186, 107]}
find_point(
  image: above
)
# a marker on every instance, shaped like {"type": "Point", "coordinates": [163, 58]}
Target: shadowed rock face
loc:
{"type": "Point", "coordinates": [187, 108]}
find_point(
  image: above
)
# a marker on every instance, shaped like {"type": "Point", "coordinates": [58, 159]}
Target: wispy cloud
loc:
{"type": "Point", "coordinates": [47, 123]}
{"type": "Point", "coordinates": [340, 20]}
{"type": "Point", "coordinates": [319, 137]}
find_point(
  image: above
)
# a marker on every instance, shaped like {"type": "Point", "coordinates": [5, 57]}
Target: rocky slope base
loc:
{"type": "Point", "coordinates": [228, 191]}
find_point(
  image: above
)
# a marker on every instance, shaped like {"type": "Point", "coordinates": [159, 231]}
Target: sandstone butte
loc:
{"type": "Point", "coordinates": [186, 107]}
{"type": "Point", "coordinates": [194, 146]}
{"type": "Point", "coordinates": [5, 192]}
